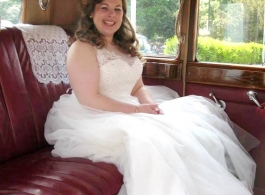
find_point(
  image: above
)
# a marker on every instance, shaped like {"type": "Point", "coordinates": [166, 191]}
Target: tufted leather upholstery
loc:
{"type": "Point", "coordinates": [27, 166]}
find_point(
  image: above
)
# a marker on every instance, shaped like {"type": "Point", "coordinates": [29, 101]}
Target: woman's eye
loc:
{"type": "Point", "coordinates": [105, 8]}
{"type": "Point", "coordinates": [118, 9]}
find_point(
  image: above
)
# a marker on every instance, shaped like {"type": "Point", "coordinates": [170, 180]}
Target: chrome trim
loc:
{"type": "Point", "coordinates": [44, 4]}
{"type": "Point", "coordinates": [219, 103]}
{"type": "Point", "coordinates": [252, 96]}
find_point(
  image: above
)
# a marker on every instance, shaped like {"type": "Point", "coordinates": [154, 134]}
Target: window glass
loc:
{"type": "Point", "coordinates": [154, 21]}
{"type": "Point", "coordinates": [10, 12]}
{"type": "Point", "coordinates": [232, 31]}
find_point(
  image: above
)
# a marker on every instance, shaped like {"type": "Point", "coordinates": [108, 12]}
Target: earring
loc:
{"type": "Point", "coordinates": [90, 16]}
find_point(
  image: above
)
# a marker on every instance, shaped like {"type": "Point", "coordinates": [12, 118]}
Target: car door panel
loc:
{"type": "Point", "coordinates": [231, 84]}
{"type": "Point", "coordinates": [244, 113]}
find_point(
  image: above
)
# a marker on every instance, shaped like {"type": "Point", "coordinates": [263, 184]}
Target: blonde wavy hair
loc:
{"type": "Point", "coordinates": [124, 38]}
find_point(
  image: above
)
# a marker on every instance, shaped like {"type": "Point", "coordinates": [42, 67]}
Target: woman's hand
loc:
{"type": "Point", "coordinates": [149, 109]}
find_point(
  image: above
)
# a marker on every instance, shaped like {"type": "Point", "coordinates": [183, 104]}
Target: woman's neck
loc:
{"type": "Point", "coordinates": [110, 41]}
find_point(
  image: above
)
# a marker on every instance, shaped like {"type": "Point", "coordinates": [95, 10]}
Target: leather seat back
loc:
{"type": "Point", "coordinates": [24, 102]}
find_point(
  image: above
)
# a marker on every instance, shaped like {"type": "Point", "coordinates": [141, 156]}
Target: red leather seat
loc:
{"type": "Point", "coordinates": [27, 166]}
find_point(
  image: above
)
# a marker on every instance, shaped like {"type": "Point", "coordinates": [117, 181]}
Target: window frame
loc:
{"type": "Point", "coordinates": [188, 55]}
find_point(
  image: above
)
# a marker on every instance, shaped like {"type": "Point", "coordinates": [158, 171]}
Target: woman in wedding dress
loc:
{"type": "Point", "coordinates": [161, 143]}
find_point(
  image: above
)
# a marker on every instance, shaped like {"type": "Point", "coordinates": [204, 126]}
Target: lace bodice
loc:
{"type": "Point", "coordinates": [118, 73]}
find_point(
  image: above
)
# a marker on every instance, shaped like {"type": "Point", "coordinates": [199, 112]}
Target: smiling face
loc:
{"type": "Point", "coordinates": [107, 17]}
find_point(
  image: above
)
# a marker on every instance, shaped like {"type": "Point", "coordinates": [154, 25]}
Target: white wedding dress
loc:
{"type": "Point", "coordinates": [190, 150]}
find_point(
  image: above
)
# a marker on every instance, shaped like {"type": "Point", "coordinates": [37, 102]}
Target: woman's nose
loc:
{"type": "Point", "coordinates": [111, 13]}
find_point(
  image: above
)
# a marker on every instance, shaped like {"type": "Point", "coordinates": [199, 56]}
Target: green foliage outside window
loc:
{"type": "Point", "coordinates": [212, 50]}
{"type": "Point", "coordinates": [238, 15]}
{"type": "Point", "coordinates": [156, 18]}
{"type": "Point", "coordinates": [171, 46]}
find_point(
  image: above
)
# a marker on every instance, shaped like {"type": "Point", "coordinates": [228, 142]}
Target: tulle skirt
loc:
{"type": "Point", "coordinates": [189, 150]}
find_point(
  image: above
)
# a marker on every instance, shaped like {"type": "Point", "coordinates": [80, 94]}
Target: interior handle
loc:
{"type": "Point", "coordinates": [252, 97]}
{"type": "Point", "coordinates": [219, 103]}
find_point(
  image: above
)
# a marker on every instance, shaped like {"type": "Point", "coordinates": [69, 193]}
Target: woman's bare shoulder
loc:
{"type": "Point", "coordinates": [81, 46]}
{"type": "Point", "coordinates": [81, 50]}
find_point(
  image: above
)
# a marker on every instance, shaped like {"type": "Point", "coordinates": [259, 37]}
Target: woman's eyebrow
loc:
{"type": "Point", "coordinates": [108, 5]}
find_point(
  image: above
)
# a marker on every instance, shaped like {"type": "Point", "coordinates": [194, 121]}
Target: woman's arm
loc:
{"type": "Point", "coordinates": [141, 93]}
{"type": "Point", "coordinates": [83, 72]}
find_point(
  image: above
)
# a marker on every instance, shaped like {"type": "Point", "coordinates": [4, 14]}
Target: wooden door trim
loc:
{"type": "Point", "coordinates": [226, 75]}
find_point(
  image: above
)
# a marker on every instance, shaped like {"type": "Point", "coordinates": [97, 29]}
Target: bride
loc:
{"type": "Point", "coordinates": [162, 145]}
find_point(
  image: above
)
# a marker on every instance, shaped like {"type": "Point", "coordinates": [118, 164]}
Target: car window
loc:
{"type": "Point", "coordinates": [232, 32]}
{"type": "Point", "coordinates": [155, 21]}
{"type": "Point", "coordinates": [145, 45]}
{"type": "Point", "coordinates": [10, 12]}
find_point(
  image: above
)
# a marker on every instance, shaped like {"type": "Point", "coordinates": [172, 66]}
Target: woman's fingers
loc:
{"type": "Point", "coordinates": [156, 109]}
{"type": "Point", "coordinates": [151, 109]}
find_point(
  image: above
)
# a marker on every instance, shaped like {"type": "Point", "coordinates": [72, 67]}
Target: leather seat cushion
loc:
{"type": "Point", "coordinates": [41, 173]}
